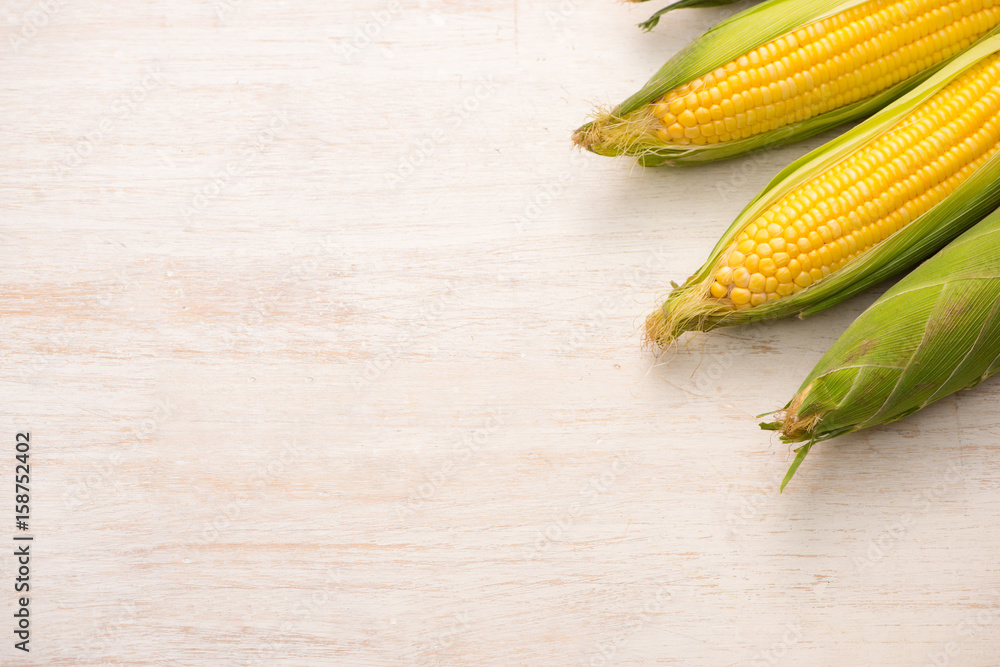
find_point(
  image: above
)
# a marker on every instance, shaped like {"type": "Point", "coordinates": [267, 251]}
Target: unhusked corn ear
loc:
{"type": "Point", "coordinates": [797, 83]}
{"type": "Point", "coordinates": [876, 200]}
{"type": "Point", "coordinates": [935, 332]}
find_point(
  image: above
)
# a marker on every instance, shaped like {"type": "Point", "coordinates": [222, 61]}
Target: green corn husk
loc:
{"type": "Point", "coordinates": [653, 20]}
{"type": "Point", "coordinates": [687, 309]}
{"type": "Point", "coordinates": [935, 332]}
{"type": "Point", "coordinates": [621, 132]}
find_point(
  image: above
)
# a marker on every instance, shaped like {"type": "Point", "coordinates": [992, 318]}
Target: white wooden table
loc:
{"type": "Point", "coordinates": [327, 346]}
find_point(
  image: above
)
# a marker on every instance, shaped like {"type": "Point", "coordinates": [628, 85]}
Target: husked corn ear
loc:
{"type": "Point", "coordinates": [823, 66]}
{"type": "Point", "coordinates": [935, 332]}
{"type": "Point", "coordinates": [819, 227]}
{"type": "Point", "coordinates": [872, 202]}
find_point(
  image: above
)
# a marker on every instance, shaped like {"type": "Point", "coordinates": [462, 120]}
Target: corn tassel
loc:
{"type": "Point", "coordinates": [935, 332]}
{"type": "Point", "coordinates": [873, 202]}
{"type": "Point", "coordinates": [784, 70]}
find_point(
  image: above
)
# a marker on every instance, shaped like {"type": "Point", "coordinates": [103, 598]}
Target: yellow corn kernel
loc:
{"type": "Point", "coordinates": [740, 296]}
{"type": "Point", "coordinates": [741, 277]}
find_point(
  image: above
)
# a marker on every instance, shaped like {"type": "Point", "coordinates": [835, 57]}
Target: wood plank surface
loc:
{"type": "Point", "coordinates": [327, 343]}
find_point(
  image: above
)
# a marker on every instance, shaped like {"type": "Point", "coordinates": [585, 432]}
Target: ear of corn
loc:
{"type": "Point", "coordinates": [935, 332]}
{"type": "Point", "coordinates": [653, 20]}
{"type": "Point", "coordinates": [784, 70]}
{"type": "Point", "coordinates": [869, 204]}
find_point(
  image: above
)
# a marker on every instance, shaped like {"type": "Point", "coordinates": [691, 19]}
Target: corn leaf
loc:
{"type": "Point", "coordinates": [653, 20]}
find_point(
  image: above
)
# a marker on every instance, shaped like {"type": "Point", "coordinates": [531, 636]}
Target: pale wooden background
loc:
{"type": "Point", "coordinates": [329, 357]}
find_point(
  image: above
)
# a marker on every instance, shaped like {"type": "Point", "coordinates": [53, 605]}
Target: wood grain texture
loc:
{"type": "Point", "coordinates": [328, 349]}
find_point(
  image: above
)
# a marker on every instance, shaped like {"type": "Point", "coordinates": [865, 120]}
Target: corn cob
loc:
{"type": "Point", "coordinates": [869, 204]}
{"type": "Point", "coordinates": [935, 332]}
{"type": "Point", "coordinates": [784, 70]}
